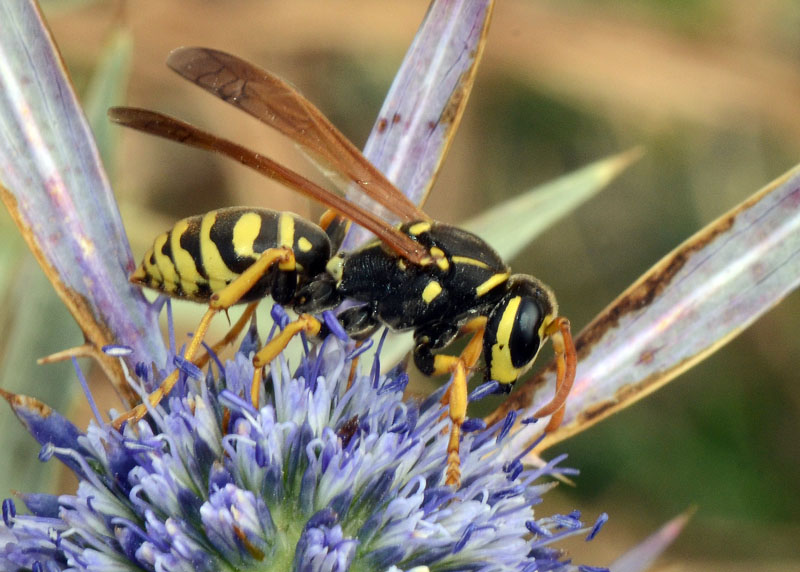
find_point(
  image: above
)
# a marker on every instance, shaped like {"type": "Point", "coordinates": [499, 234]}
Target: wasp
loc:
{"type": "Point", "coordinates": [437, 280]}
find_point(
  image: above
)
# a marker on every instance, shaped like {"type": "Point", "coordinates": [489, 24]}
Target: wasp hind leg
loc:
{"type": "Point", "coordinates": [222, 300]}
{"type": "Point", "coordinates": [232, 334]}
{"type": "Point", "coordinates": [458, 366]}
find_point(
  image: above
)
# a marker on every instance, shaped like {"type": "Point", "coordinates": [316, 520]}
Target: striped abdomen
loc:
{"type": "Point", "coordinates": [202, 254]}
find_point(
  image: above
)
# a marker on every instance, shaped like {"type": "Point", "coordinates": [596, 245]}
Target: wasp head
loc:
{"type": "Point", "coordinates": [517, 327]}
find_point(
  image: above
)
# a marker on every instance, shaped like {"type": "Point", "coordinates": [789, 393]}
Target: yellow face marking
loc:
{"type": "Point", "coordinates": [419, 228]}
{"type": "Point", "coordinates": [468, 260]}
{"type": "Point", "coordinates": [245, 233]}
{"type": "Point", "coordinates": [217, 271]}
{"type": "Point", "coordinates": [169, 276]}
{"type": "Point", "coordinates": [184, 261]}
{"type": "Point", "coordinates": [432, 290]}
{"type": "Point", "coordinates": [502, 369]}
{"type": "Point", "coordinates": [441, 260]}
{"type": "Point", "coordinates": [304, 244]}
{"type": "Point", "coordinates": [401, 264]}
{"type": "Point", "coordinates": [495, 280]}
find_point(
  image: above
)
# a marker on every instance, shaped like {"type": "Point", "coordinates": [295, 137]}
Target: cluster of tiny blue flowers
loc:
{"type": "Point", "coordinates": [328, 474]}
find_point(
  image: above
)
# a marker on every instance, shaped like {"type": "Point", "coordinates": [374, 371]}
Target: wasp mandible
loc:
{"type": "Point", "coordinates": [437, 280]}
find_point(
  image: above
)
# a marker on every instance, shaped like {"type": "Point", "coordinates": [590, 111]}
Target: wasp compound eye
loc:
{"type": "Point", "coordinates": [524, 340]}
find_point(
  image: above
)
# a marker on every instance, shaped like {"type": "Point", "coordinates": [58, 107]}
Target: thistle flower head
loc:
{"type": "Point", "coordinates": [327, 474]}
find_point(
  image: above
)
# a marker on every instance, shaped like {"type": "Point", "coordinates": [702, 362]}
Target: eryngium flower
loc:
{"type": "Point", "coordinates": [327, 474]}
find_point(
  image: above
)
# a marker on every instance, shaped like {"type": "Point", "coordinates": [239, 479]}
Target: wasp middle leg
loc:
{"type": "Point", "coordinates": [459, 366]}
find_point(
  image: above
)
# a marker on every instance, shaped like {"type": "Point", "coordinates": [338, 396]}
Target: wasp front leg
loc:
{"type": "Point", "coordinates": [283, 257]}
{"type": "Point", "coordinates": [566, 363]}
{"type": "Point", "coordinates": [459, 366]}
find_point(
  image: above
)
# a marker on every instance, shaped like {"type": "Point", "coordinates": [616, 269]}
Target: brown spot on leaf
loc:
{"type": "Point", "coordinates": [597, 410]}
{"type": "Point", "coordinates": [455, 105]}
{"type": "Point", "coordinates": [646, 357]}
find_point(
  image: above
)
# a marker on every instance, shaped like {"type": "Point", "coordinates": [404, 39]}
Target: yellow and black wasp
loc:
{"type": "Point", "coordinates": [435, 279]}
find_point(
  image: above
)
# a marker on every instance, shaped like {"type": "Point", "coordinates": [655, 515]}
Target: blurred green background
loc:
{"type": "Point", "coordinates": [711, 89]}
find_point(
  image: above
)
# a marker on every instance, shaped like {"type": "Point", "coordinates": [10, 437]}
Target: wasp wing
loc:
{"type": "Point", "coordinates": [274, 102]}
{"type": "Point", "coordinates": [171, 128]}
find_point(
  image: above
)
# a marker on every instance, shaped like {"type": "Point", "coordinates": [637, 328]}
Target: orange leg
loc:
{"type": "Point", "coordinates": [169, 382]}
{"type": "Point", "coordinates": [456, 396]}
{"type": "Point", "coordinates": [566, 364]}
{"type": "Point", "coordinates": [304, 323]}
{"type": "Point", "coordinates": [222, 300]}
{"type": "Point", "coordinates": [232, 334]}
